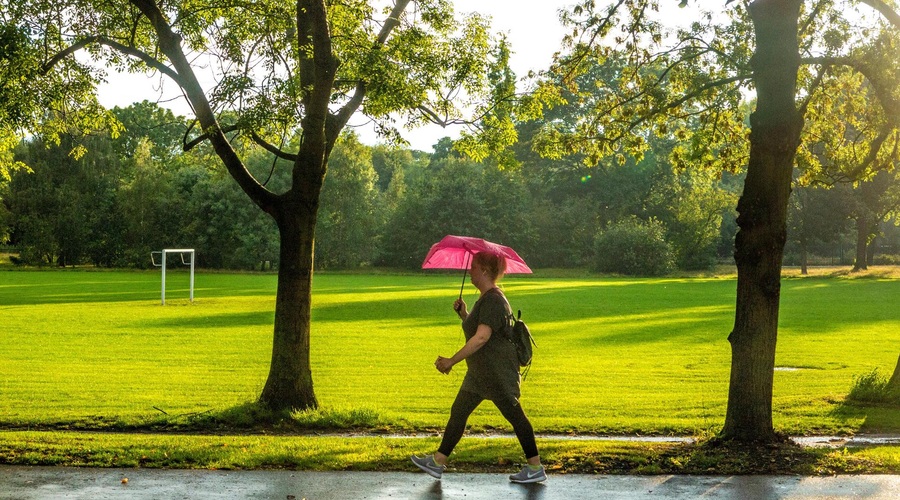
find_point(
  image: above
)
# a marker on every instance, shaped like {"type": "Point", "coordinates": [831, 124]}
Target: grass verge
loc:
{"type": "Point", "coordinates": [392, 454]}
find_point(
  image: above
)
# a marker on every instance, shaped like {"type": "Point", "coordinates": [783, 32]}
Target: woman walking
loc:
{"type": "Point", "coordinates": [492, 374]}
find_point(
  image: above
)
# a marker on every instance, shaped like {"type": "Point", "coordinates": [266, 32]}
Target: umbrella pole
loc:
{"type": "Point", "coordinates": [465, 270]}
{"type": "Point", "coordinates": [463, 283]}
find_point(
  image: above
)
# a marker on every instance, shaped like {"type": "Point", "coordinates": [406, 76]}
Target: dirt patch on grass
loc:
{"type": "Point", "coordinates": [725, 458]}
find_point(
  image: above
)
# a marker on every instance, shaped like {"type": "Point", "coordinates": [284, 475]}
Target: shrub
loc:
{"type": "Point", "coordinates": [886, 260]}
{"type": "Point", "coordinates": [633, 247]}
{"type": "Point", "coordinates": [873, 388]}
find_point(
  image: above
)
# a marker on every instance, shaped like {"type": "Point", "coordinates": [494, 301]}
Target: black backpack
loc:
{"type": "Point", "coordinates": [518, 333]}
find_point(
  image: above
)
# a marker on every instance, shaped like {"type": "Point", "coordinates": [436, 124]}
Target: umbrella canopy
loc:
{"type": "Point", "coordinates": [455, 252]}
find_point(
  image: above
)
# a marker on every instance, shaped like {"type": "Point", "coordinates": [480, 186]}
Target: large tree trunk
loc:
{"type": "Point", "coordinates": [862, 241]}
{"type": "Point", "coordinates": [759, 244]}
{"type": "Point", "coordinates": [290, 385]}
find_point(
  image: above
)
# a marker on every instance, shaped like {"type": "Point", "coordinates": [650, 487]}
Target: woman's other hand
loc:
{"type": "Point", "coordinates": [444, 365]}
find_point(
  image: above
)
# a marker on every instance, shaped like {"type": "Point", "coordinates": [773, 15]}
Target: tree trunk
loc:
{"type": "Point", "coordinates": [862, 239]}
{"type": "Point", "coordinates": [804, 257]}
{"type": "Point", "coordinates": [759, 243]}
{"type": "Point", "coordinates": [871, 247]}
{"type": "Point", "coordinates": [290, 385]}
{"type": "Point", "coordinates": [894, 382]}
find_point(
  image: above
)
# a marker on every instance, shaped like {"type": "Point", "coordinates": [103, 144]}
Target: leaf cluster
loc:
{"type": "Point", "coordinates": [421, 62]}
{"type": "Point", "coordinates": [634, 78]}
{"type": "Point", "coordinates": [48, 104]}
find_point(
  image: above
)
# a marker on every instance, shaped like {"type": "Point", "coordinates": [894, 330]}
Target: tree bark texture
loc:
{"type": "Point", "coordinates": [289, 384]}
{"type": "Point", "coordinates": [759, 245]}
{"type": "Point", "coordinates": [894, 382]}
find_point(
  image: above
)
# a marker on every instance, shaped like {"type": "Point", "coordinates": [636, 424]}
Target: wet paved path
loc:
{"type": "Point", "coordinates": [25, 483]}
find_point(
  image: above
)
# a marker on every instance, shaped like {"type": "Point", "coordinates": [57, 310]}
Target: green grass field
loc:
{"type": "Point", "coordinates": [619, 356]}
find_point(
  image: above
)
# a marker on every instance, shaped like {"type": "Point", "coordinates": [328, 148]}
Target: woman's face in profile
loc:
{"type": "Point", "coordinates": [476, 273]}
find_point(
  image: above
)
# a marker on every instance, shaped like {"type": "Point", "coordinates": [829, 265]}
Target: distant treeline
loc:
{"type": "Point", "coordinates": [119, 199]}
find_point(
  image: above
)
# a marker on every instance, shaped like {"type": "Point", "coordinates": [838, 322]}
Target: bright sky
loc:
{"type": "Point", "coordinates": [534, 33]}
{"type": "Point", "coordinates": [532, 27]}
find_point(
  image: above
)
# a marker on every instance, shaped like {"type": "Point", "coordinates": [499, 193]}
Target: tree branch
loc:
{"type": "Point", "coordinates": [189, 145]}
{"type": "Point", "coordinates": [601, 29]}
{"type": "Point", "coordinates": [306, 68]}
{"type": "Point", "coordinates": [272, 148]}
{"type": "Point", "coordinates": [884, 93]}
{"type": "Point", "coordinates": [874, 149]}
{"type": "Point", "coordinates": [391, 22]}
{"type": "Point", "coordinates": [678, 102]}
{"type": "Point", "coordinates": [170, 45]}
{"type": "Point", "coordinates": [437, 120]}
{"type": "Point", "coordinates": [885, 10]}
{"type": "Point", "coordinates": [812, 88]}
{"type": "Point", "coordinates": [338, 121]}
{"type": "Point", "coordinates": [125, 49]}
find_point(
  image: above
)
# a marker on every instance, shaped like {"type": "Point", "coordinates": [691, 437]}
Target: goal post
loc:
{"type": "Point", "coordinates": [182, 252]}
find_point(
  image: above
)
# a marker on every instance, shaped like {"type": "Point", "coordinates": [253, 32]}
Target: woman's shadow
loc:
{"type": "Point", "coordinates": [534, 491]}
{"type": "Point", "coordinates": [433, 492]}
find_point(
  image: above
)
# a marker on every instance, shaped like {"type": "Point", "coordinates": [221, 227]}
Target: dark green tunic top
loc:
{"type": "Point", "coordinates": [493, 370]}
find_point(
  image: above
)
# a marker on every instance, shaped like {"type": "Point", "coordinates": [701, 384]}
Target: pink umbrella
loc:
{"type": "Point", "coordinates": [455, 252]}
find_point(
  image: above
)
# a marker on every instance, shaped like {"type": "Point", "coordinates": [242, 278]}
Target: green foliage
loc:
{"type": "Point", "coordinates": [32, 101]}
{"type": "Point", "coordinates": [456, 196]}
{"type": "Point", "coordinates": [873, 389]}
{"type": "Point", "coordinates": [5, 220]}
{"type": "Point", "coordinates": [146, 121]}
{"type": "Point", "coordinates": [421, 64]}
{"type": "Point", "coordinates": [852, 129]}
{"type": "Point", "coordinates": [59, 209]}
{"type": "Point", "coordinates": [563, 232]}
{"type": "Point", "coordinates": [379, 205]}
{"type": "Point", "coordinates": [496, 129]}
{"type": "Point", "coordinates": [817, 217]}
{"type": "Point", "coordinates": [136, 194]}
{"type": "Point", "coordinates": [631, 78]}
{"type": "Point", "coordinates": [633, 247]}
{"type": "Point", "coordinates": [695, 203]}
{"type": "Point", "coordinates": [347, 228]}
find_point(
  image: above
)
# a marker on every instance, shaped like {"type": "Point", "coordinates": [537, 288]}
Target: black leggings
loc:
{"type": "Point", "coordinates": [465, 404]}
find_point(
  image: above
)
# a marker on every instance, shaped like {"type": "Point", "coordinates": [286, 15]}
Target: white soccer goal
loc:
{"type": "Point", "coordinates": [162, 264]}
